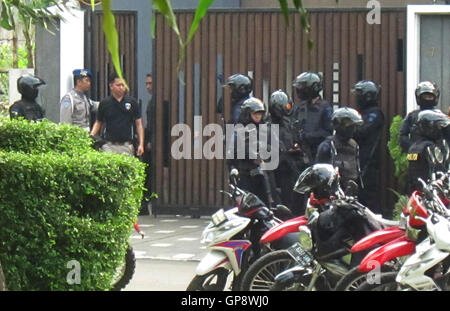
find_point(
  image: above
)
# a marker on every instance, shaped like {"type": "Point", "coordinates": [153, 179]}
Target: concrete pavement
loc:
{"type": "Point", "coordinates": [170, 238]}
{"type": "Point", "coordinates": [168, 255]}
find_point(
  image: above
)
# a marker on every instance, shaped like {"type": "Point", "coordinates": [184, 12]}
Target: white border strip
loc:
{"type": "Point", "coordinates": [413, 46]}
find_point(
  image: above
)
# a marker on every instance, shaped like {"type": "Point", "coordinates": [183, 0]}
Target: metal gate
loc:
{"type": "Point", "coordinates": [347, 49]}
{"type": "Point", "coordinates": [100, 61]}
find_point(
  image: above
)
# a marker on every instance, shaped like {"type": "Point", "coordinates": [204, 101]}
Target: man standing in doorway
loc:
{"type": "Point", "coordinates": [149, 111]}
{"type": "Point", "coordinates": [120, 115]}
{"type": "Point", "coordinates": [147, 157]}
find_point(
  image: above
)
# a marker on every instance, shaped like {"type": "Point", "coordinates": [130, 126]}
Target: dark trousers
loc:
{"type": "Point", "coordinates": [370, 195]}
{"type": "Point", "coordinates": [254, 184]}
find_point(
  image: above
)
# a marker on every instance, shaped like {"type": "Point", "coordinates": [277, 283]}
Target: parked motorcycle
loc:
{"type": "Point", "coordinates": [303, 266]}
{"type": "Point", "coordinates": [428, 268]}
{"type": "Point", "coordinates": [400, 242]}
{"type": "Point", "coordinates": [233, 240]}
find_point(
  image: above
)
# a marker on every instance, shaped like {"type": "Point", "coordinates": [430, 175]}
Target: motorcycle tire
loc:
{"type": "Point", "coordinates": [126, 271]}
{"type": "Point", "coordinates": [203, 282]}
{"type": "Point", "coordinates": [386, 283]}
{"type": "Point", "coordinates": [261, 274]}
{"type": "Point", "coordinates": [353, 279]}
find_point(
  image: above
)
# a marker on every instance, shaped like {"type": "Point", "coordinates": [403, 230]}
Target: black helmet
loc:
{"type": "Point", "coordinates": [27, 85]}
{"type": "Point", "coordinates": [250, 106]}
{"type": "Point", "coordinates": [321, 179]}
{"type": "Point", "coordinates": [367, 93]}
{"type": "Point", "coordinates": [430, 123]}
{"type": "Point", "coordinates": [345, 120]}
{"type": "Point", "coordinates": [241, 86]}
{"type": "Point", "coordinates": [430, 88]}
{"type": "Point", "coordinates": [279, 104]}
{"type": "Point", "coordinates": [308, 85]}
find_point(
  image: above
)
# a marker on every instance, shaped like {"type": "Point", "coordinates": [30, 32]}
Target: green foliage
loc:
{"type": "Point", "coordinates": [59, 204]}
{"type": "Point", "coordinates": [402, 201]}
{"type": "Point", "coordinates": [42, 137]}
{"type": "Point", "coordinates": [6, 62]}
{"type": "Point", "coordinates": [397, 155]}
{"type": "Point", "coordinates": [165, 8]}
{"type": "Point", "coordinates": [6, 59]}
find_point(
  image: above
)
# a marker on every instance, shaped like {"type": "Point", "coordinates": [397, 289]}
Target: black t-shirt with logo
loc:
{"type": "Point", "coordinates": [119, 118]}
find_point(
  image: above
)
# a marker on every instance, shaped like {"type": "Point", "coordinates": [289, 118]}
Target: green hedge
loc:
{"type": "Point", "coordinates": [55, 207]}
{"type": "Point", "coordinates": [42, 137]}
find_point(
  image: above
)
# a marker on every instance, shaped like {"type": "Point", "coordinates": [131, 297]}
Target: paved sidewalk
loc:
{"type": "Point", "coordinates": [170, 238]}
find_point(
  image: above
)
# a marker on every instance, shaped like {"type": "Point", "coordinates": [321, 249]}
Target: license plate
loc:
{"type": "Point", "coordinates": [299, 254]}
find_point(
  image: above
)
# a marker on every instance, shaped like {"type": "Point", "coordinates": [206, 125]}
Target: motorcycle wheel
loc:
{"type": "Point", "coordinates": [261, 274]}
{"type": "Point", "coordinates": [387, 283]}
{"type": "Point", "coordinates": [212, 281]}
{"type": "Point", "coordinates": [353, 279]}
{"type": "Point", "coordinates": [125, 272]}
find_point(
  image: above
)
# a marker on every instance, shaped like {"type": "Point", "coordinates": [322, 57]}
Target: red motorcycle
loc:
{"type": "Point", "coordinates": [394, 243]}
{"type": "Point", "coordinates": [287, 263]}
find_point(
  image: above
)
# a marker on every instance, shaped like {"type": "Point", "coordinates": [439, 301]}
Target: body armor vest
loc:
{"type": "Point", "coordinates": [344, 155]}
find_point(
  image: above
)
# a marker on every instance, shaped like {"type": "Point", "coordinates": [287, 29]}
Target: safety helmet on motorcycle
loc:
{"type": "Point", "coordinates": [367, 93]}
{"type": "Point", "coordinates": [321, 179]}
{"type": "Point", "coordinates": [28, 85]}
{"type": "Point", "coordinates": [345, 120]}
{"type": "Point", "coordinates": [279, 104]}
{"type": "Point", "coordinates": [251, 105]}
{"type": "Point", "coordinates": [308, 85]}
{"type": "Point", "coordinates": [430, 123]}
{"type": "Point", "coordinates": [241, 86]}
{"type": "Point", "coordinates": [427, 87]}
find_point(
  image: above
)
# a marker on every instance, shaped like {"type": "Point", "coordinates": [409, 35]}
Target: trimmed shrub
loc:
{"type": "Point", "coordinates": [57, 207]}
{"type": "Point", "coordinates": [31, 137]}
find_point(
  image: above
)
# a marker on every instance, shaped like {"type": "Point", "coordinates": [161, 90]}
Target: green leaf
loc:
{"type": "Point", "coordinates": [164, 7]}
{"type": "Point", "coordinates": [6, 23]}
{"type": "Point", "coordinates": [112, 37]}
{"type": "Point", "coordinates": [285, 10]}
{"type": "Point", "coordinates": [202, 8]}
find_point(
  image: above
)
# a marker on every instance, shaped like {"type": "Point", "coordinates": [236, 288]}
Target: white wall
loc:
{"type": "Point", "coordinates": [71, 48]}
{"type": "Point", "coordinates": [13, 75]}
{"type": "Point", "coordinates": [413, 47]}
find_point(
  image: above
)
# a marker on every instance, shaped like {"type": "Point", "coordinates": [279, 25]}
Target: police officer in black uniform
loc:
{"type": "Point", "coordinates": [340, 149]}
{"type": "Point", "coordinates": [251, 176]}
{"type": "Point", "coordinates": [429, 134]}
{"type": "Point", "coordinates": [368, 137]}
{"type": "Point", "coordinates": [311, 113]}
{"type": "Point", "coordinates": [28, 85]}
{"type": "Point", "coordinates": [427, 97]}
{"type": "Point", "coordinates": [290, 164]}
{"type": "Point", "coordinates": [241, 86]}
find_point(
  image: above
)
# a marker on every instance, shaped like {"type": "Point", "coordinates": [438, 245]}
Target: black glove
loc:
{"type": "Point", "coordinates": [97, 142]}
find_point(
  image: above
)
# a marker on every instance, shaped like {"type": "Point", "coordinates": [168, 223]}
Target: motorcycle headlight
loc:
{"type": "Point", "coordinates": [305, 238]}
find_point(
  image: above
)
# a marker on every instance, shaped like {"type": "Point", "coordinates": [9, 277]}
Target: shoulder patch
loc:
{"type": "Point", "coordinates": [412, 156]}
{"type": "Point", "coordinates": [372, 116]}
{"type": "Point", "coordinates": [67, 104]}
